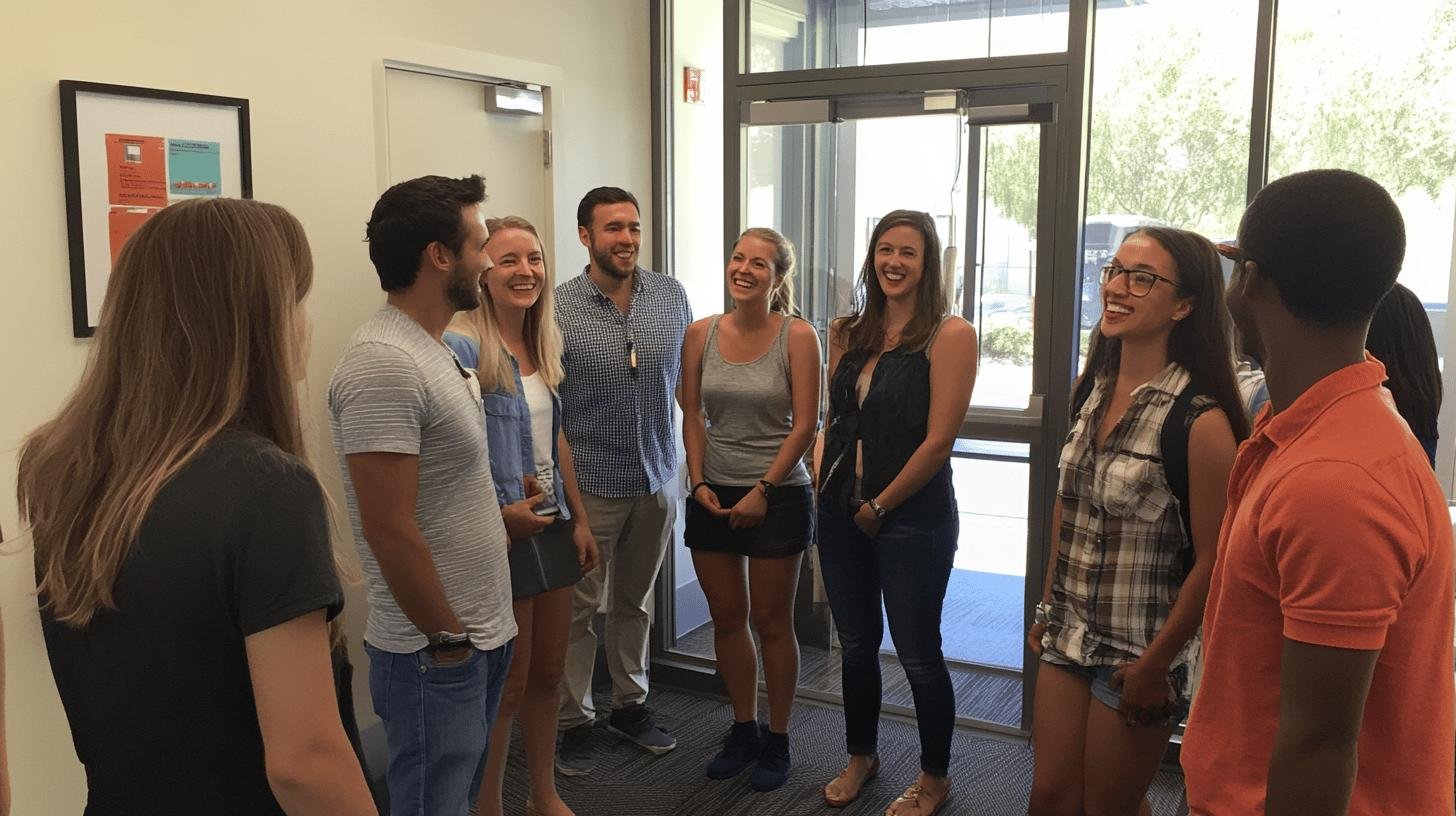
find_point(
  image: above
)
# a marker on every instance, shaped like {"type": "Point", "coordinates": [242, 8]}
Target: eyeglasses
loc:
{"type": "Point", "coordinates": [1233, 253]}
{"type": "Point", "coordinates": [1139, 281]}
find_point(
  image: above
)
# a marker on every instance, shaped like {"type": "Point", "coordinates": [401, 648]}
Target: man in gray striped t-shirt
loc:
{"type": "Point", "coordinates": [409, 430]}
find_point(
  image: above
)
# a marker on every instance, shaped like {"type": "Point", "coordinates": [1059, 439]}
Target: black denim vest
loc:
{"type": "Point", "coordinates": [892, 424]}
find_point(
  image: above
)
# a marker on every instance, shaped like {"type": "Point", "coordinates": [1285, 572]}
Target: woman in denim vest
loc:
{"type": "Point", "coordinates": [513, 342]}
{"type": "Point", "coordinates": [901, 377]}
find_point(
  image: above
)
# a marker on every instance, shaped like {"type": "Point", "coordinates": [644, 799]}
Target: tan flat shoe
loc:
{"type": "Point", "coordinates": [839, 802]}
{"type": "Point", "coordinates": [922, 802]}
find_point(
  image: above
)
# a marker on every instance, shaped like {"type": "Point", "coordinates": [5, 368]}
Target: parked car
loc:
{"type": "Point", "coordinates": [1005, 309]}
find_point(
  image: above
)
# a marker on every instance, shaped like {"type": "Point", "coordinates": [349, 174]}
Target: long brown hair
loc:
{"type": "Point", "coordinates": [1201, 342]}
{"type": "Point", "coordinates": [542, 335]}
{"type": "Point", "coordinates": [864, 328]}
{"type": "Point", "coordinates": [783, 267]}
{"type": "Point", "coordinates": [198, 334]}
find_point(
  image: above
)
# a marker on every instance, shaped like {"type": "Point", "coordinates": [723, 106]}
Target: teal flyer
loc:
{"type": "Point", "coordinates": [194, 168]}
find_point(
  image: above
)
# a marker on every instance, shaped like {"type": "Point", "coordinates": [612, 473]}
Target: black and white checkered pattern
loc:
{"type": "Point", "coordinates": [619, 421]}
{"type": "Point", "coordinates": [1122, 555]}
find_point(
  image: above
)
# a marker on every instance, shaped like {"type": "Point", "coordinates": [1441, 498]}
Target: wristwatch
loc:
{"type": "Point", "coordinates": [880, 512]}
{"type": "Point", "coordinates": [445, 641]}
{"type": "Point", "coordinates": [768, 488]}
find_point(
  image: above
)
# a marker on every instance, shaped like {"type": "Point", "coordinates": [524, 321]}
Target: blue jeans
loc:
{"type": "Point", "coordinates": [437, 723]}
{"type": "Point", "coordinates": [909, 567]}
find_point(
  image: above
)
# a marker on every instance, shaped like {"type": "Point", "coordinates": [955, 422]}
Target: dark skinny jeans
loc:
{"type": "Point", "coordinates": [909, 567]}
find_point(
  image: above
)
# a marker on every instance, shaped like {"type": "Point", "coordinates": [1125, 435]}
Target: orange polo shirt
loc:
{"type": "Point", "coordinates": [1336, 534]}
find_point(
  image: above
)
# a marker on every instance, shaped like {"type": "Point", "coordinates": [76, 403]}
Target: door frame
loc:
{"type": "Point", "coordinates": [1062, 195]}
{"type": "Point", "coordinates": [473, 66]}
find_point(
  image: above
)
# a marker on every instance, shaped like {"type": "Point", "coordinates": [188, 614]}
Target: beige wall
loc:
{"type": "Point", "coordinates": [310, 72]}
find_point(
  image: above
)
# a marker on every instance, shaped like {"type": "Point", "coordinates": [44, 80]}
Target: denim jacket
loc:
{"type": "Point", "coordinates": [508, 428]}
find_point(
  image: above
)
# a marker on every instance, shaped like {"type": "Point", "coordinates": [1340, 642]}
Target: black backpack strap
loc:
{"type": "Point", "coordinates": [1174, 443]}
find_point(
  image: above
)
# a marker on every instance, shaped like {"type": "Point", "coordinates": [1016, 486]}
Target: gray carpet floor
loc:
{"type": "Point", "coordinates": [980, 695]}
{"type": "Point", "coordinates": [992, 775]}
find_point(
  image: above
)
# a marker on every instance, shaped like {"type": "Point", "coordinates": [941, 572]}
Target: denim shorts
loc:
{"type": "Point", "coordinates": [1100, 678]}
{"type": "Point", "coordinates": [787, 528]}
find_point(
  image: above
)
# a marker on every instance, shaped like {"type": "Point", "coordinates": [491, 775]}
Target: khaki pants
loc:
{"type": "Point", "coordinates": [632, 535]}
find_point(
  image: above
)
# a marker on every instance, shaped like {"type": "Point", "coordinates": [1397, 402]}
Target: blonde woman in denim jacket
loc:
{"type": "Point", "coordinates": [512, 341]}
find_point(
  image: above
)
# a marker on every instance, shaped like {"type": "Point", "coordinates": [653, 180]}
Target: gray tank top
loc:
{"type": "Point", "coordinates": [750, 411]}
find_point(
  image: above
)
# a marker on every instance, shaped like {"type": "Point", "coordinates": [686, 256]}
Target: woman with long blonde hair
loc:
{"type": "Point", "coordinates": [182, 554]}
{"type": "Point", "coordinates": [513, 342]}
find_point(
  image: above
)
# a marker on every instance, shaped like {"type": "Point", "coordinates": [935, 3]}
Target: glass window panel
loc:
{"type": "Point", "coordinates": [797, 34]}
{"type": "Point", "coordinates": [1367, 87]}
{"type": "Point", "coordinates": [1172, 82]}
{"type": "Point", "coordinates": [1006, 264]}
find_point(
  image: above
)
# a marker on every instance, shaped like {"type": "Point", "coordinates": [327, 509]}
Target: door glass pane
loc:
{"type": "Point", "coordinates": [1367, 87]}
{"type": "Point", "coordinates": [1169, 126]}
{"type": "Point", "coordinates": [1005, 271]}
{"type": "Point", "coordinates": [825, 186]}
{"type": "Point", "coordinates": [798, 34]}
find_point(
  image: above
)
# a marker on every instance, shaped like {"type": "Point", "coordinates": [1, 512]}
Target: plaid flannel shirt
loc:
{"type": "Point", "coordinates": [1122, 555]}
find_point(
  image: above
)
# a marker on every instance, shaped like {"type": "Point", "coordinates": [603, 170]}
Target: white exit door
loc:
{"type": "Point", "coordinates": [440, 126]}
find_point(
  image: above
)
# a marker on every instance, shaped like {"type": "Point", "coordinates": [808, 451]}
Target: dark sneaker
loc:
{"type": "Point", "coordinates": [773, 764]}
{"type": "Point", "coordinates": [635, 723]}
{"type": "Point", "coordinates": [740, 748]}
{"type": "Point", "coordinates": [576, 756]}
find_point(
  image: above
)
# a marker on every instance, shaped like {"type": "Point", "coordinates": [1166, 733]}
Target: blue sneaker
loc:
{"type": "Point", "coordinates": [773, 764]}
{"type": "Point", "coordinates": [635, 723]}
{"type": "Point", "coordinates": [740, 748]}
{"type": "Point", "coordinates": [576, 756]}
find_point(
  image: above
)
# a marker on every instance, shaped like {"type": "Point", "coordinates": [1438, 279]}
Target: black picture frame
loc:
{"type": "Point", "coordinates": [79, 207]}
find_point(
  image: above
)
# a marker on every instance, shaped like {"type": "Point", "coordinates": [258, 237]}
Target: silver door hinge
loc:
{"type": "Point", "coordinates": [546, 147]}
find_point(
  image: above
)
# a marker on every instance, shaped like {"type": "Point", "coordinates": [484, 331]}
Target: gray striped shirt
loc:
{"type": "Point", "coordinates": [398, 390]}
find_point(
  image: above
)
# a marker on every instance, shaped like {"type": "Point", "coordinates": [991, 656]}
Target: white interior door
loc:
{"type": "Point", "coordinates": [439, 125]}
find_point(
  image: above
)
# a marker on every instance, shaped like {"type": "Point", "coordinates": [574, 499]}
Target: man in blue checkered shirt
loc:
{"type": "Point", "coordinates": [623, 328]}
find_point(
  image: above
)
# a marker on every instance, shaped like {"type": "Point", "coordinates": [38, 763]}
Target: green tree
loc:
{"type": "Point", "coordinates": [1170, 132]}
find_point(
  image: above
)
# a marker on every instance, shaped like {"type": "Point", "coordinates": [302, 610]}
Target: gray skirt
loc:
{"type": "Point", "coordinates": [544, 562]}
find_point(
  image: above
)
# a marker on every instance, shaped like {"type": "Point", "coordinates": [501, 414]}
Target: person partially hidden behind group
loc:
{"type": "Point", "coordinates": [750, 395]}
{"type": "Point", "coordinates": [1400, 338]}
{"type": "Point", "coordinates": [182, 546]}
{"type": "Point", "coordinates": [902, 371]}
{"type": "Point", "coordinates": [535, 484]}
{"type": "Point", "coordinates": [1117, 627]}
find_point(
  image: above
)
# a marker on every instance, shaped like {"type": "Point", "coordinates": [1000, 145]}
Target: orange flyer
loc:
{"type": "Point", "coordinates": [121, 223]}
{"type": "Point", "coordinates": [136, 170]}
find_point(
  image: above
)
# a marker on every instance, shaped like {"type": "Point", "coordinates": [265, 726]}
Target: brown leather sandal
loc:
{"type": "Point", "coordinates": [914, 795]}
{"type": "Point", "coordinates": [832, 801]}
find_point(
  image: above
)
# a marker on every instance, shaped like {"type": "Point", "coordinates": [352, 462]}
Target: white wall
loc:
{"type": "Point", "coordinates": [698, 258]}
{"type": "Point", "coordinates": [309, 71]}
{"type": "Point", "coordinates": [698, 155]}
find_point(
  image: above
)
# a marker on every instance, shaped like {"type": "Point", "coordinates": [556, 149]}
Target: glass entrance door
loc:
{"type": "Point", "coordinates": [824, 182]}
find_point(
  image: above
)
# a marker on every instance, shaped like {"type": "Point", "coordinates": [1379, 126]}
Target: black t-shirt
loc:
{"type": "Point", "coordinates": [157, 691]}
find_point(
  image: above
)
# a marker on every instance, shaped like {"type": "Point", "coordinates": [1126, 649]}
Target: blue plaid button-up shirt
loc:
{"type": "Point", "coordinates": [619, 417]}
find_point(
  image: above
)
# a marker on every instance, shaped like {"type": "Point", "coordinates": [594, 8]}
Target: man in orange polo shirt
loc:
{"type": "Point", "coordinates": [1327, 640]}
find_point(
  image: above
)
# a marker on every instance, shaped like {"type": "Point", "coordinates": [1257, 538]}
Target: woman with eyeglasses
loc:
{"type": "Point", "coordinates": [1116, 629]}
{"type": "Point", "coordinates": [902, 369]}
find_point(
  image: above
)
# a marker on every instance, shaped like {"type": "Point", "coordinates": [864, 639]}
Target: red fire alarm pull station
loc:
{"type": "Point", "coordinates": [692, 85]}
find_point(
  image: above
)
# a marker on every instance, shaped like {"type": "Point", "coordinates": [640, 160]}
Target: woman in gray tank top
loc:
{"type": "Point", "coordinates": [750, 391]}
